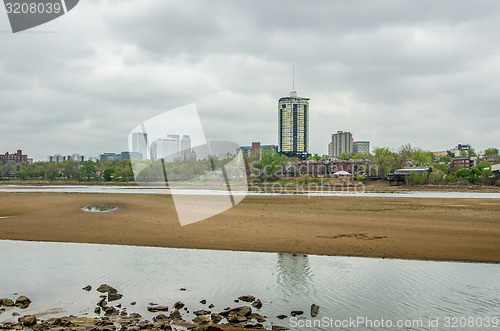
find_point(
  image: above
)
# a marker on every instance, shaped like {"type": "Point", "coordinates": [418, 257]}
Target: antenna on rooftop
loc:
{"type": "Point", "coordinates": [293, 78]}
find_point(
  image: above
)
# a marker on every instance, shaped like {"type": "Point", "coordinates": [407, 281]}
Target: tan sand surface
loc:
{"type": "Point", "coordinates": [409, 228]}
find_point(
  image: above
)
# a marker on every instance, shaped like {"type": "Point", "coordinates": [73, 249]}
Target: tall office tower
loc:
{"type": "Point", "coordinates": [361, 147]}
{"type": "Point", "coordinates": [165, 148]}
{"type": "Point", "coordinates": [342, 142]}
{"type": "Point", "coordinates": [185, 147]}
{"type": "Point", "coordinates": [293, 125]}
{"type": "Point", "coordinates": [174, 145]}
{"type": "Point", "coordinates": [140, 144]}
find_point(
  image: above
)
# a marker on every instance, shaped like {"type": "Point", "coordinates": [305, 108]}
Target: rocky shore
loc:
{"type": "Point", "coordinates": [170, 317]}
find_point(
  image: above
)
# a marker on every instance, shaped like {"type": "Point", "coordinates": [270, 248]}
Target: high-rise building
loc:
{"type": "Point", "coordinates": [185, 147]}
{"type": "Point", "coordinates": [361, 147]}
{"type": "Point", "coordinates": [342, 142]}
{"type": "Point", "coordinates": [165, 148]}
{"type": "Point", "coordinates": [293, 125]}
{"type": "Point", "coordinates": [140, 144]}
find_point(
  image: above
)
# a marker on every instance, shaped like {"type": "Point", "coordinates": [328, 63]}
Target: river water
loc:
{"type": "Point", "coordinates": [159, 190]}
{"type": "Point", "coordinates": [345, 288]}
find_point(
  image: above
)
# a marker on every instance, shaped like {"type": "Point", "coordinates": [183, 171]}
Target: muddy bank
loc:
{"type": "Point", "coordinates": [409, 228]}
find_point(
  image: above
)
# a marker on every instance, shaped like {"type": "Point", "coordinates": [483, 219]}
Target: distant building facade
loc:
{"type": "Point", "coordinates": [361, 147]}
{"type": "Point", "coordinates": [140, 144]}
{"type": "Point", "coordinates": [16, 157]}
{"type": "Point", "coordinates": [342, 142]}
{"type": "Point", "coordinates": [461, 163]}
{"type": "Point", "coordinates": [256, 149]}
{"type": "Point", "coordinates": [293, 125]}
{"type": "Point", "coordinates": [60, 158]}
{"type": "Point", "coordinates": [185, 147]}
{"type": "Point", "coordinates": [131, 155]}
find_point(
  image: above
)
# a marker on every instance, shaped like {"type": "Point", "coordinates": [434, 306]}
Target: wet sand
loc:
{"type": "Point", "coordinates": [409, 228]}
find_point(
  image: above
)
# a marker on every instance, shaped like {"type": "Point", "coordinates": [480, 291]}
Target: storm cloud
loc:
{"type": "Point", "coordinates": [419, 72]}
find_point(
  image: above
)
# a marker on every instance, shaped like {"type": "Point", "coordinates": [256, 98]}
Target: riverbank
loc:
{"type": "Point", "coordinates": [407, 228]}
{"type": "Point", "coordinates": [283, 186]}
{"type": "Point", "coordinates": [110, 313]}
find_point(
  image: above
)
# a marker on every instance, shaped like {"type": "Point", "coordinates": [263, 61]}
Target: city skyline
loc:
{"type": "Point", "coordinates": [415, 73]}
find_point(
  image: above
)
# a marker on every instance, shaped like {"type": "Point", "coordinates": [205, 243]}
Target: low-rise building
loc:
{"type": "Point", "coordinates": [461, 163]}
{"type": "Point", "coordinates": [16, 157]}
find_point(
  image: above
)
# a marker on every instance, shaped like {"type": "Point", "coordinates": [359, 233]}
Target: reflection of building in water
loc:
{"type": "Point", "coordinates": [294, 273]}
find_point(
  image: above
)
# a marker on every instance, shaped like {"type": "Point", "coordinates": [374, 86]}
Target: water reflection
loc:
{"type": "Point", "coordinates": [294, 273]}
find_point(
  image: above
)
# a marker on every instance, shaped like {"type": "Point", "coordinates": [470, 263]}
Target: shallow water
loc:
{"type": "Point", "coordinates": [53, 274]}
{"type": "Point", "coordinates": [98, 209]}
{"type": "Point", "coordinates": [153, 190]}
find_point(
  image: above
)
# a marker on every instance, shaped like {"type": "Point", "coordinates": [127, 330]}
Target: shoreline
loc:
{"type": "Point", "coordinates": [451, 229]}
{"type": "Point", "coordinates": [260, 252]}
{"type": "Point", "coordinates": [348, 186]}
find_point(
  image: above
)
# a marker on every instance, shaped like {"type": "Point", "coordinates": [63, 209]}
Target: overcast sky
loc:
{"type": "Point", "coordinates": [391, 72]}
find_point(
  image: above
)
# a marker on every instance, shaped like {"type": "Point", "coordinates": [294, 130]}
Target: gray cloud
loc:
{"type": "Point", "coordinates": [401, 72]}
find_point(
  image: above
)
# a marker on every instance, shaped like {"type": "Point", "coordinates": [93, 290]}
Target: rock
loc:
{"type": "Point", "coordinates": [135, 316]}
{"type": "Point", "coordinates": [236, 318]}
{"type": "Point", "coordinates": [281, 317]}
{"type": "Point", "coordinates": [153, 304]}
{"type": "Point", "coordinates": [216, 318]}
{"type": "Point", "coordinates": [178, 305]}
{"type": "Point", "coordinates": [213, 328]}
{"type": "Point", "coordinates": [7, 302]}
{"type": "Point", "coordinates": [211, 306]}
{"type": "Point", "coordinates": [106, 288]}
{"type": "Point", "coordinates": [296, 313]}
{"type": "Point", "coordinates": [314, 310]}
{"type": "Point", "coordinates": [97, 310]}
{"type": "Point", "coordinates": [114, 296]}
{"type": "Point", "coordinates": [102, 303]}
{"type": "Point", "coordinates": [201, 312]}
{"type": "Point", "coordinates": [87, 288]}
{"type": "Point", "coordinates": [203, 301]}
{"type": "Point", "coordinates": [54, 321]}
{"type": "Point", "coordinates": [257, 304]}
{"type": "Point", "coordinates": [110, 311]}
{"type": "Point", "coordinates": [155, 309]}
{"type": "Point", "coordinates": [236, 300]}
{"type": "Point", "coordinates": [176, 315]}
{"type": "Point", "coordinates": [259, 318]}
{"type": "Point", "coordinates": [123, 313]}
{"type": "Point", "coordinates": [183, 289]}
{"type": "Point", "coordinates": [27, 320]}
{"type": "Point", "coordinates": [15, 314]}
{"type": "Point", "coordinates": [201, 320]}
{"type": "Point", "coordinates": [133, 303]}
{"type": "Point", "coordinates": [165, 325]}
{"type": "Point", "coordinates": [279, 328]}
{"type": "Point", "coordinates": [247, 298]}
{"type": "Point", "coordinates": [245, 310]}
{"type": "Point", "coordinates": [160, 317]}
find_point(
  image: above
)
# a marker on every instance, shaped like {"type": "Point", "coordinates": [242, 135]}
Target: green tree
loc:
{"type": "Point", "coordinates": [52, 171]}
{"type": "Point", "coordinates": [271, 164]}
{"type": "Point", "coordinates": [108, 174]}
{"type": "Point", "coordinates": [386, 161]}
{"type": "Point", "coordinates": [419, 157]}
{"type": "Point", "coordinates": [491, 151]}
